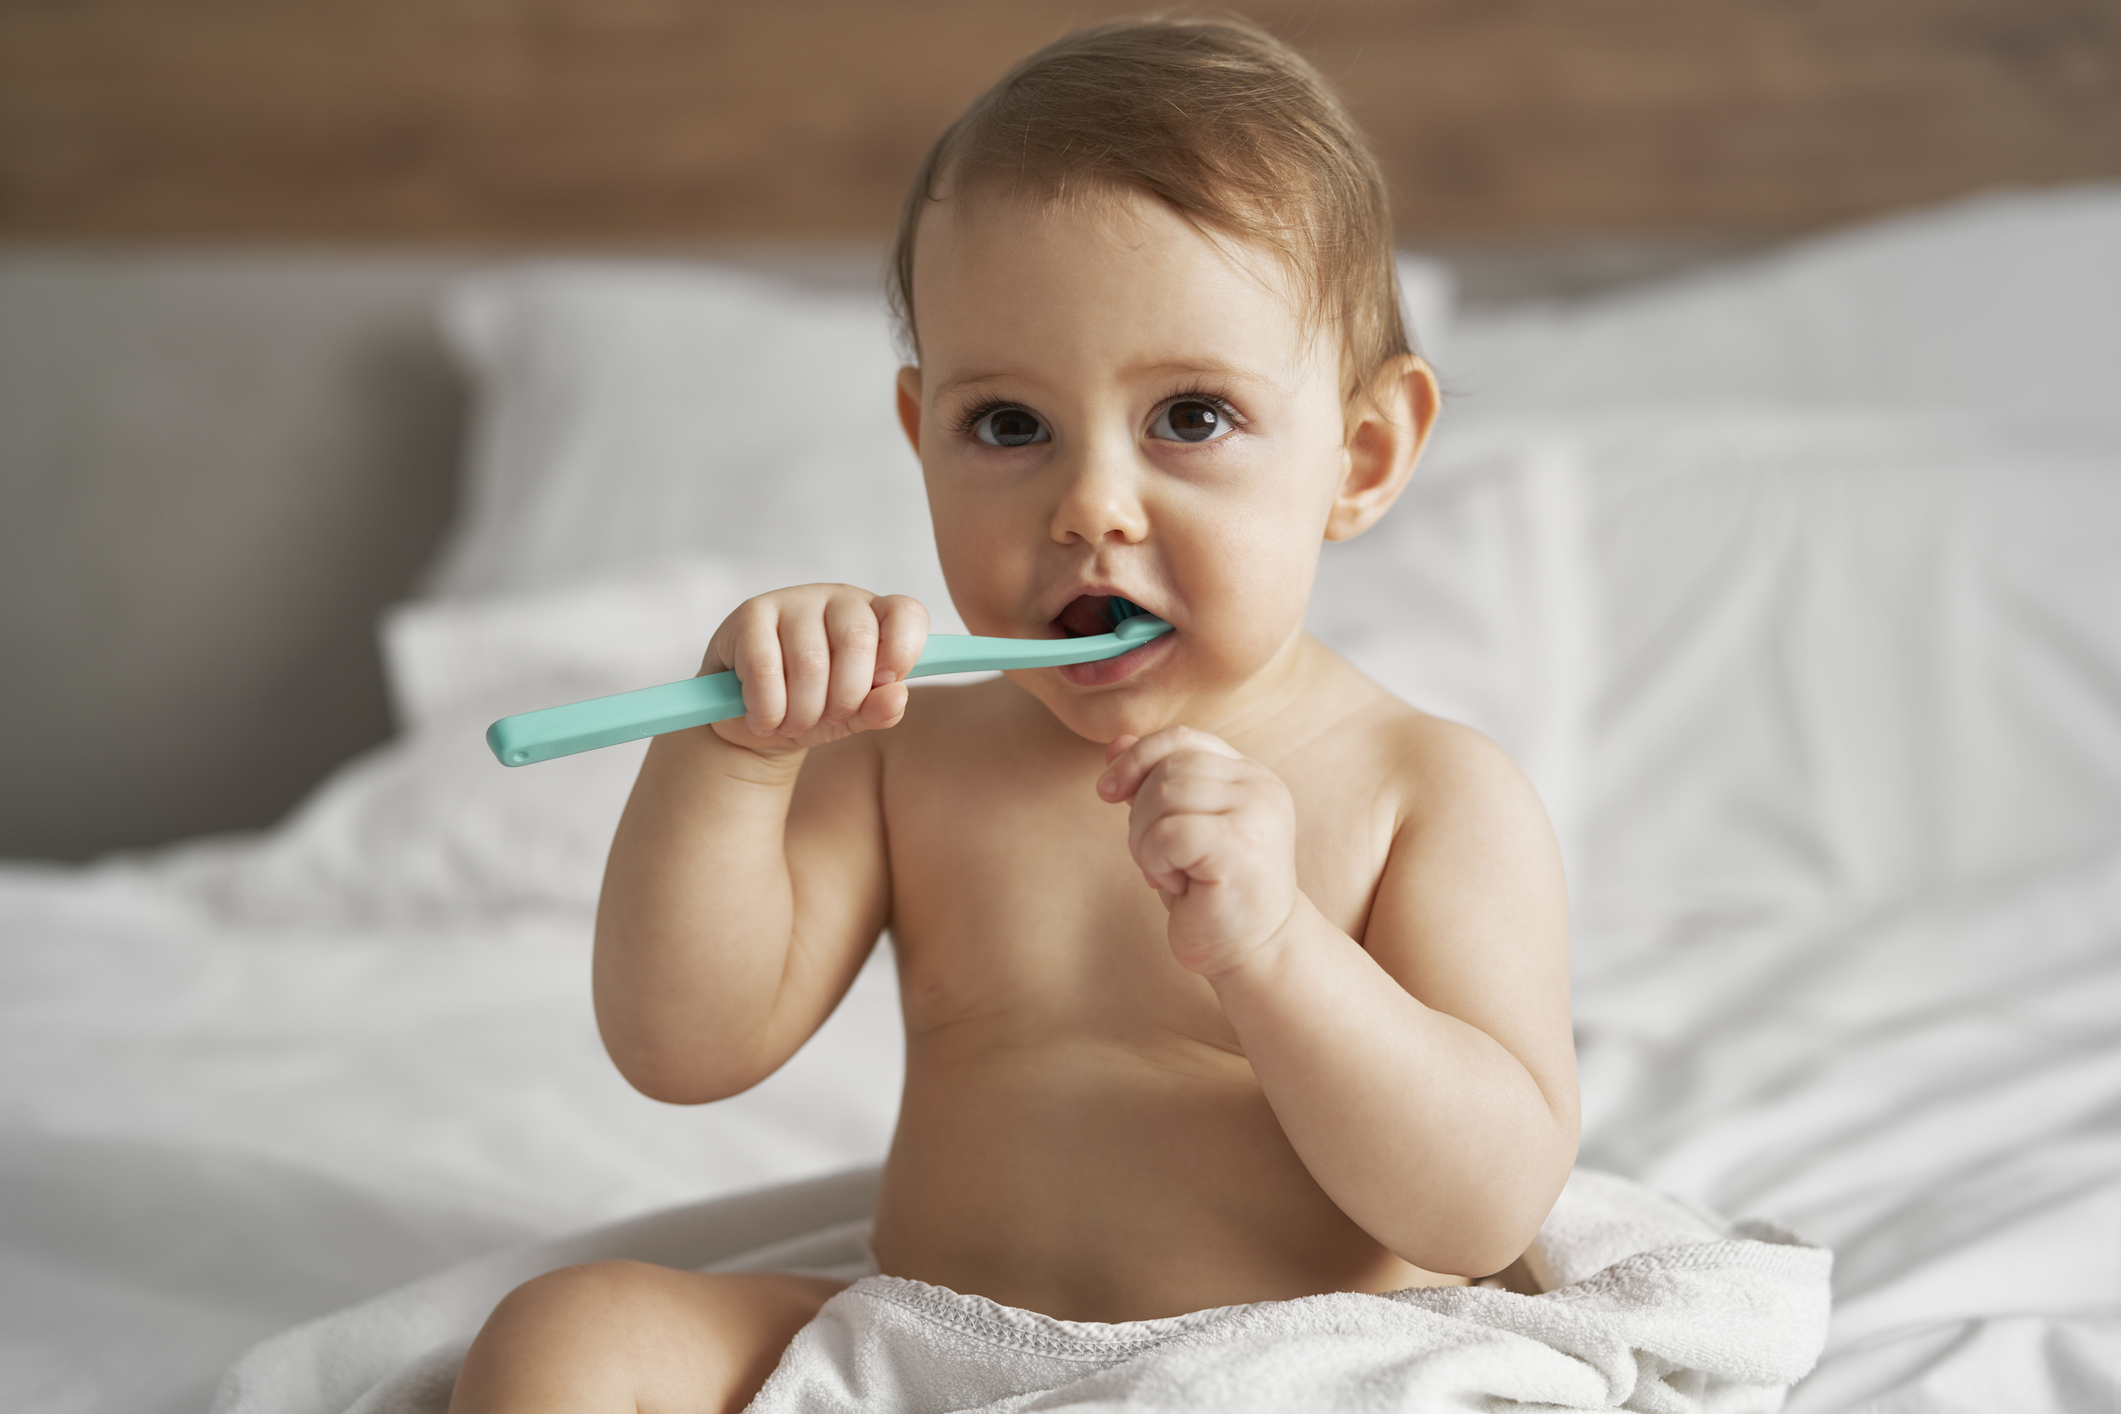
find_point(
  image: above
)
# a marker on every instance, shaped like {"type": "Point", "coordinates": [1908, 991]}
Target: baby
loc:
{"type": "Point", "coordinates": [1227, 976]}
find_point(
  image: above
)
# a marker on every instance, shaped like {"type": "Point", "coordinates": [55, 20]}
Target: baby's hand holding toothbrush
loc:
{"type": "Point", "coordinates": [818, 662]}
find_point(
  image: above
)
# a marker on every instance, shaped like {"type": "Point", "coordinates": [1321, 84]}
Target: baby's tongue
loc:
{"type": "Point", "coordinates": [1085, 616]}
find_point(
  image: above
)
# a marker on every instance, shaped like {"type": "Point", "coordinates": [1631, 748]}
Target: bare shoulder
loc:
{"type": "Point", "coordinates": [1446, 773]}
{"type": "Point", "coordinates": [1468, 827]}
{"type": "Point", "coordinates": [1425, 769]}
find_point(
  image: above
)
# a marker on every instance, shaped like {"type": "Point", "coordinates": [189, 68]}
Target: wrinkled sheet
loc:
{"type": "Point", "coordinates": [1933, 1090]}
{"type": "Point", "coordinates": [208, 1136]}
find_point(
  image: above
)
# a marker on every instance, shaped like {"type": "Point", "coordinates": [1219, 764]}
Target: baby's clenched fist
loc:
{"type": "Point", "coordinates": [1214, 833]}
{"type": "Point", "coordinates": [818, 662]}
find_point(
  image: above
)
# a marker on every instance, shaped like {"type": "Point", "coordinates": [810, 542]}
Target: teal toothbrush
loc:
{"type": "Point", "coordinates": [674, 706]}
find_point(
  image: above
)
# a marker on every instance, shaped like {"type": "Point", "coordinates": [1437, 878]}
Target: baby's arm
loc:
{"type": "Point", "coordinates": [1426, 1076]}
{"type": "Point", "coordinates": [748, 877]}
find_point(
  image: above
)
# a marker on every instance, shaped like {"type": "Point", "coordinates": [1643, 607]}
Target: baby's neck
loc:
{"type": "Point", "coordinates": [1275, 704]}
{"type": "Point", "coordinates": [1324, 692]}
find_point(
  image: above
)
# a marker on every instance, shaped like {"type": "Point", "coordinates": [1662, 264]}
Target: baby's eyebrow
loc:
{"type": "Point", "coordinates": [1197, 368]}
{"type": "Point", "coordinates": [1210, 369]}
{"type": "Point", "coordinates": [969, 380]}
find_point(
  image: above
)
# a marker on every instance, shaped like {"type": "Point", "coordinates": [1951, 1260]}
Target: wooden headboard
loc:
{"type": "Point", "coordinates": [545, 121]}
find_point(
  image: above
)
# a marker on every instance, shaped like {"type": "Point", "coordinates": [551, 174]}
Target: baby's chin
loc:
{"type": "Point", "coordinates": [1174, 689]}
{"type": "Point", "coordinates": [1098, 714]}
{"type": "Point", "coordinates": [1099, 721]}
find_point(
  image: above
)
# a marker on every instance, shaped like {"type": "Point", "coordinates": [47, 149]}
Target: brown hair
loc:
{"type": "Point", "coordinates": [1216, 118]}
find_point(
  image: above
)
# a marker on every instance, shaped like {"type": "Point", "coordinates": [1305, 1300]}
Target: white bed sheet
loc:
{"type": "Point", "coordinates": [1933, 1090]}
{"type": "Point", "coordinates": [211, 1134]}
{"type": "Point", "coordinates": [245, 1082]}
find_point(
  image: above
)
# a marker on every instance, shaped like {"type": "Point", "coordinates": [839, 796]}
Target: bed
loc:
{"type": "Point", "coordinates": [1795, 583]}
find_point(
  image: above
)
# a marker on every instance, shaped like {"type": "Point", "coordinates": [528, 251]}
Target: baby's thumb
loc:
{"type": "Point", "coordinates": [883, 706]}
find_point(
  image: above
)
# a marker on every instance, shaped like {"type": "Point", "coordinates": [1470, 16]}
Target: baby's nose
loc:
{"type": "Point", "coordinates": [1100, 498]}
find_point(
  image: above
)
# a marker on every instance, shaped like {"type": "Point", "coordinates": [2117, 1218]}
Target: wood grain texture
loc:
{"type": "Point", "coordinates": [681, 121]}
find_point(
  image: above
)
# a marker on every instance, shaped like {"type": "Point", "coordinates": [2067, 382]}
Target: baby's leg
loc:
{"type": "Point", "coordinates": [627, 1336]}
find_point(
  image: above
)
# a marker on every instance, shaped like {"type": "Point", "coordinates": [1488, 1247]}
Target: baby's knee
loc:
{"type": "Point", "coordinates": [620, 1334]}
{"type": "Point", "coordinates": [561, 1340]}
{"type": "Point", "coordinates": [573, 1294]}
{"type": "Point", "coordinates": [574, 1299]}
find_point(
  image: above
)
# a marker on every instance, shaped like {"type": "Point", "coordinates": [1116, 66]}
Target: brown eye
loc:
{"type": "Point", "coordinates": [1190, 420]}
{"type": "Point", "coordinates": [1010, 427]}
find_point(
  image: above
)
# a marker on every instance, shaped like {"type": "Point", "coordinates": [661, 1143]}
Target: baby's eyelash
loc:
{"type": "Point", "coordinates": [970, 419]}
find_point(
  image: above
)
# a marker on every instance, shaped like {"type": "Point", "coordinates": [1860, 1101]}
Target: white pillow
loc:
{"type": "Point", "coordinates": [631, 414]}
{"type": "Point", "coordinates": [1844, 657]}
{"type": "Point", "coordinates": [444, 657]}
{"type": "Point", "coordinates": [429, 828]}
{"type": "Point", "coordinates": [2001, 302]}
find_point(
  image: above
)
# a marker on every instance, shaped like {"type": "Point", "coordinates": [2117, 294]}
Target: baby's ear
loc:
{"type": "Point", "coordinates": [909, 405]}
{"type": "Point", "coordinates": [1388, 427]}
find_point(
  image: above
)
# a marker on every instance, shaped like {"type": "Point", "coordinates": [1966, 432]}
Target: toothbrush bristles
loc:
{"type": "Point", "coordinates": [1120, 610]}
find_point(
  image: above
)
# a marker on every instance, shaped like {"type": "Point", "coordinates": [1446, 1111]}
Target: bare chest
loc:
{"type": "Point", "coordinates": [1014, 893]}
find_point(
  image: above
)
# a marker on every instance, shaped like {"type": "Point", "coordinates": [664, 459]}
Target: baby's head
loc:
{"type": "Point", "coordinates": [1148, 284]}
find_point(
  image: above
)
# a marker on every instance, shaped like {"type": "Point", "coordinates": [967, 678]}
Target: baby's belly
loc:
{"type": "Point", "coordinates": [1107, 1178]}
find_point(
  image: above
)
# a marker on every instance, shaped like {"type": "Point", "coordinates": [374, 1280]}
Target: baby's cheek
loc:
{"type": "Point", "coordinates": [1266, 587]}
{"type": "Point", "coordinates": [985, 571]}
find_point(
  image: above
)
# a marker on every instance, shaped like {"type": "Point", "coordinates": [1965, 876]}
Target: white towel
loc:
{"type": "Point", "coordinates": [1647, 1305]}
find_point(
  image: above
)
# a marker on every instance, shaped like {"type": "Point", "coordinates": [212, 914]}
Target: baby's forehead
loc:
{"type": "Point", "coordinates": [1106, 222]}
{"type": "Point", "coordinates": [1001, 276]}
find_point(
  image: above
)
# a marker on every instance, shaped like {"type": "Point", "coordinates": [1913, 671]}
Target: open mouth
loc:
{"type": "Point", "coordinates": [1084, 616]}
{"type": "Point", "coordinates": [1087, 615]}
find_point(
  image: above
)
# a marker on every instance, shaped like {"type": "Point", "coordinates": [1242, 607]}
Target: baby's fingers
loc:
{"type": "Point", "coordinates": [851, 631]}
{"type": "Point", "coordinates": [902, 628]}
{"type": "Point", "coordinates": [806, 667]}
{"type": "Point", "coordinates": [755, 655]}
{"type": "Point", "coordinates": [1176, 848]}
{"type": "Point", "coordinates": [1130, 764]}
{"type": "Point", "coordinates": [883, 707]}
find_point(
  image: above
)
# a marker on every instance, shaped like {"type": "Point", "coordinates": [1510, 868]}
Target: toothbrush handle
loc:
{"type": "Point", "coordinates": [607, 721]}
{"type": "Point", "coordinates": [693, 702]}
